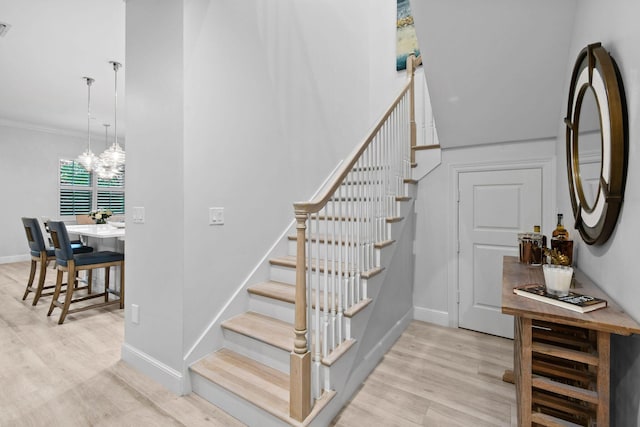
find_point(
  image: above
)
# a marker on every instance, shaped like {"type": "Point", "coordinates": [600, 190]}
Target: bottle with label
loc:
{"type": "Point", "coordinates": [561, 243]}
{"type": "Point", "coordinates": [538, 242]}
{"type": "Point", "coordinates": [560, 232]}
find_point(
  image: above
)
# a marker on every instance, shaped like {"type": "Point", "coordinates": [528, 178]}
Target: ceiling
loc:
{"type": "Point", "coordinates": [48, 49]}
{"type": "Point", "coordinates": [496, 69]}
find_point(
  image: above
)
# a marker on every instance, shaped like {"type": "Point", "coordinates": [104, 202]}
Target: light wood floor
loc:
{"type": "Point", "coordinates": [71, 375]}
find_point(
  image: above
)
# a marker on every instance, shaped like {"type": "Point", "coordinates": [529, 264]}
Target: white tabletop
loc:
{"type": "Point", "coordinates": [102, 231]}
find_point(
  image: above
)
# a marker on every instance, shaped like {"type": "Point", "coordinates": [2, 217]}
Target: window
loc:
{"type": "Point", "coordinates": [81, 191]}
{"type": "Point", "coordinates": [111, 194]}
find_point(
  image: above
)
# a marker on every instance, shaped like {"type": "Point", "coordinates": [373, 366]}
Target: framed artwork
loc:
{"type": "Point", "coordinates": [406, 40]}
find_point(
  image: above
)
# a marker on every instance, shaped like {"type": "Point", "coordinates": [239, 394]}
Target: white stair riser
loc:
{"type": "Point", "coordinates": [330, 252]}
{"type": "Point", "coordinates": [351, 207]}
{"type": "Point", "coordinates": [341, 228]}
{"type": "Point", "coordinates": [233, 404]}
{"type": "Point", "coordinates": [356, 325]}
{"type": "Point", "coordinates": [384, 255]}
{"type": "Point", "coordinates": [257, 350]}
{"type": "Point", "coordinates": [410, 190]}
{"type": "Point", "coordinates": [288, 275]}
{"type": "Point", "coordinates": [273, 308]}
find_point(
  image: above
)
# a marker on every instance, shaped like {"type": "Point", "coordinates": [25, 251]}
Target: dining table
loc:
{"type": "Point", "coordinates": [102, 237]}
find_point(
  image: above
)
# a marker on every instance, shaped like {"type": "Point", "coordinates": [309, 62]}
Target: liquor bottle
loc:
{"type": "Point", "coordinates": [538, 242]}
{"type": "Point", "coordinates": [560, 232]}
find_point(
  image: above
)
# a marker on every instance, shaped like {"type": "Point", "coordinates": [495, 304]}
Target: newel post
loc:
{"type": "Point", "coordinates": [411, 69]}
{"type": "Point", "coordinates": [300, 369]}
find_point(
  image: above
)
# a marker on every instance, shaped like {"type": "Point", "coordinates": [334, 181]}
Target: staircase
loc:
{"type": "Point", "coordinates": [336, 293]}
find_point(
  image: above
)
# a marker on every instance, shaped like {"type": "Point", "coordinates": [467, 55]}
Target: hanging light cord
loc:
{"type": "Point", "coordinates": [89, 82]}
{"type": "Point", "coordinates": [116, 66]}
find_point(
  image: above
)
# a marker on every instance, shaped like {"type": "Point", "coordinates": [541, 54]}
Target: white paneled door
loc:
{"type": "Point", "coordinates": [494, 206]}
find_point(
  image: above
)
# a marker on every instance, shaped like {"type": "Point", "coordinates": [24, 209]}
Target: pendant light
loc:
{"type": "Point", "coordinates": [103, 170]}
{"type": "Point", "coordinates": [114, 156]}
{"type": "Point", "coordinates": [88, 159]}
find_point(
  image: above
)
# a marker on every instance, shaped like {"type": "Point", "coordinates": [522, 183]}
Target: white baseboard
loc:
{"type": "Point", "coordinates": [154, 369]}
{"type": "Point", "coordinates": [14, 258]}
{"type": "Point", "coordinates": [429, 315]}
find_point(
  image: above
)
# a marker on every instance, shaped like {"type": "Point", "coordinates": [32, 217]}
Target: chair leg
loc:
{"type": "Point", "coordinates": [89, 282]}
{"type": "Point", "coordinates": [68, 296]}
{"type": "Point", "coordinates": [41, 278]}
{"type": "Point", "coordinates": [32, 274]}
{"type": "Point", "coordinates": [56, 293]}
{"type": "Point", "coordinates": [122, 285]}
{"type": "Point", "coordinates": [107, 270]}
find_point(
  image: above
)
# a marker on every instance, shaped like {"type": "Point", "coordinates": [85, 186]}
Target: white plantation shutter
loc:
{"type": "Point", "coordinates": [75, 189]}
{"type": "Point", "coordinates": [111, 194]}
{"type": "Point", "coordinates": [80, 193]}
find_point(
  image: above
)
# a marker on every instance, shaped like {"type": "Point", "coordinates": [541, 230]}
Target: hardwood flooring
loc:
{"type": "Point", "coordinates": [71, 375]}
{"type": "Point", "coordinates": [435, 376]}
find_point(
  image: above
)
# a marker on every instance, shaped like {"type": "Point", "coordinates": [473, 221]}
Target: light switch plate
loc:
{"type": "Point", "coordinates": [138, 215]}
{"type": "Point", "coordinates": [216, 216]}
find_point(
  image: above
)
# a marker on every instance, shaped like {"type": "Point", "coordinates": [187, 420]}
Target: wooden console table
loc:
{"type": "Point", "coordinates": [561, 357]}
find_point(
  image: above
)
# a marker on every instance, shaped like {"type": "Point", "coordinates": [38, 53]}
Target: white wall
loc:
{"type": "Point", "coordinates": [246, 106]}
{"type": "Point", "coordinates": [436, 212]}
{"type": "Point", "coordinates": [29, 176]}
{"type": "Point", "coordinates": [155, 250]}
{"type": "Point", "coordinates": [613, 266]}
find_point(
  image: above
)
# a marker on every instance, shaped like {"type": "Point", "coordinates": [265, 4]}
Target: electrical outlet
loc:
{"type": "Point", "coordinates": [216, 216]}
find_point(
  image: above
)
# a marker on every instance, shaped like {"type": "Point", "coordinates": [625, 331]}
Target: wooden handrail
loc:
{"type": "Point", "coordinates": [300, 359]}
{"type": "Point", "coordinates": [321, 200]}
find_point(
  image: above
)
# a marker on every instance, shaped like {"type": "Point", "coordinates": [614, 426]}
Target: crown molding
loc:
{"type": "Point", "coordinates": [39, 128]}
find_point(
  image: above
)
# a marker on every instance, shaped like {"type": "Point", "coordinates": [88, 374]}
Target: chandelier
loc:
{"type": "Point", "coordinates": [88, 159]}
{"type": "Point", "coordinates": [114, 156]}
{"type": "Point", "coordinates": [110, 163]}
{"type": "Point", "coordinates": [104, 170]}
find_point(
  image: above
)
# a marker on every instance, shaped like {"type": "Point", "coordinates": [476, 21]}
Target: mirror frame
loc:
{"type": "Point", "coordinates": [595, 69]}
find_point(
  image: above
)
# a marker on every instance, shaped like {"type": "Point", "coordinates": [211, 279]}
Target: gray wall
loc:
{"type": "Point", "coordinates": [614, 265]}
{"type": "Point", "coordinates": [29, 176]}
{"type": "Point", "coordinates": [456, 33]}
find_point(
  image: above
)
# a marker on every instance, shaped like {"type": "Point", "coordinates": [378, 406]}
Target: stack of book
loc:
{"type": "Point", "coordinates": [573, 301]}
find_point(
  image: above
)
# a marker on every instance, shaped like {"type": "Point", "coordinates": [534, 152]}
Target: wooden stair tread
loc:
{"type": "Point", "coordinates": [547, 384]}
{"type": "Point", "coordinates": [357, 308]}
{"type": "Point", "coordinates": [338, 352]}
{"type": "Point", "coordinates": [263, 386]}
{"type": "Point", "coordinates": [425, 147]}
{"type": "Point", "coordinates": [551, 421]}
{"type": "Point", "coordinates": [323, 238]}
{"type": "Point", "coordinates": [367, 199]}
{"type": "Point", "coordinates": [263, 328]}
{"type": "Point", "coordinates": [351, 218]}
{"type": "Point", "coordinates": [290, 262]}
{"type": "Point", "coordinates": [282, 292]}
{"type": "Point", "coordinates": [275, 290]}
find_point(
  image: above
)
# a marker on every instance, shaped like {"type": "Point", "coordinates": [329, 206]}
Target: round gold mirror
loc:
{"type": "Point", "coordinates": [596, 144]}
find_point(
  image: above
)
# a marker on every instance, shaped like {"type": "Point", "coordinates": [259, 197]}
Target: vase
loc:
{"type": "Point", "coordinates": [101, 221]}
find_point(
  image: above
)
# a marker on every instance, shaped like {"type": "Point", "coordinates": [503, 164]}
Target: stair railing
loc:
{"type": "Point", "coordinates": [337, 233]}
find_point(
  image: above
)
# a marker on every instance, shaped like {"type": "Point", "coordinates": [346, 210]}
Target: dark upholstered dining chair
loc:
{"type": "Point", "coordinates": [41, 252]}
{"type": "Point", "coordinates": [71, 263]}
